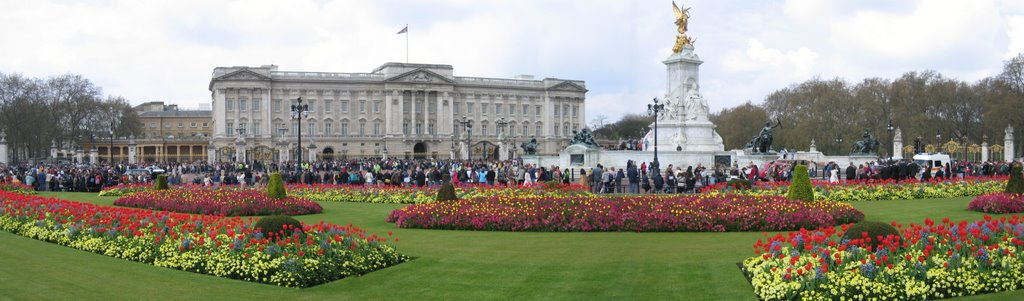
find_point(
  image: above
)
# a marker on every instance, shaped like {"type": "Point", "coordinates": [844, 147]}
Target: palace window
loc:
{"type": "Point", "coordinates": [256, 128]}
{"type": "Point", "coordinates": [362, 128]}
{"type": "Point", "coordinates": [376, 128]}
{"type": "Point", "coordinates": [456, 108]}
{"type": "Point", "coordinates": [556, 130]}
{"type": "Point", "coordinates": [229, 104]}
{"type": "Point", "coordinates": [328, 128]}
{"type": "Point", "coordinates": [344, 106]}
{"type": "Point", "coordinates": [256, 104]}
{"type": "Point", "coordinates": [538, 130]}
{"type": "Point", "coordinates": [328, 106]}
{"type": "Point", "coordinates": [483, 108]}
{"type": "Point", "coordinates": [230, 129]}
{"type": "Point", "coordinates": [556, 111]}
{"type": "Point", "coordinates": [469, 108]}
{"type": "Point", "coordinates": [538, 110]}
{"type": "Point", "coordinates": [277, 106]}
{"type": "Point", "coordinates": [376, 106]}
{"type": "Point", "coordinates": [311, 129]}
{"type": "Point", "coordinates": [575, 110]}
{"type": "Point", "coordinates": [343, 130]}
{"type": "Point", "coordinates": [362, 106]}
{"type": "Point", "coordinates": [243, 104]}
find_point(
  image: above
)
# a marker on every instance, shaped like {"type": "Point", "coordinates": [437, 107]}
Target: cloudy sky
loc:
{"type": "Point", "coordinates": [166, 50]}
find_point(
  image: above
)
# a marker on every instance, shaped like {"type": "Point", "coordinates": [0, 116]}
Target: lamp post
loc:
{"type": "Point", "coordinates": [938, 141]}
{"type": "Point", "coordinates": [468, 125]}
{"type": "Point", "coordinates": [110, 151]}
{"type": "Point", "coordinates": [655, 109]}
{"type": "Point", "coordinates": [891, 128]}
{"type": "Point", "coordinates": [299, 111]}
{"type": "Point", "coordinates": [839, 144]}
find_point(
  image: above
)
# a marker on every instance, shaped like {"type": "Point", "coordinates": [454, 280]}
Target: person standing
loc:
{"type": "Point", "coordinates": [595, 175]}
{"type": "Point", "coordinates": [633, 177]}
{"type": "Point", "coordinates": [851, 172]}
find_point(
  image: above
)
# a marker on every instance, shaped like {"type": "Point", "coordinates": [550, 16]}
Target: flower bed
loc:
{"type": "Point", "coordinates": [417, 195]}
{"type": "Point", "coordinates": [634, 213]}
{"type": "Point", "coordinates": [929, 261]}
{"type": "Point", "coordinates": [224, 202]}
{"type": "Point", "coordinates": [17, 187]}
{"type": "Point", "coordinates": [223, 247]}
{"type": "Point", "coordinates": [998, 202]}
{"type": "Point", "coordinates": [878, 190]}
{"type": "Point", "coordinates": [125, 189]}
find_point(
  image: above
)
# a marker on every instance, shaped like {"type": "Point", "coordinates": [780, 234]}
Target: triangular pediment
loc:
{"type": "Point", "coordinates": [567, 86]}
{"type": "Point", "coordinates": [420, 76]}
{"type": "Point", "coordinates": [242, 74]}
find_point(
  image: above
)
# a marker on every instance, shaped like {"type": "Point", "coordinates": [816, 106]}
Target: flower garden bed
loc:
{"type": "Point", "coordinates": [223, 247]}
{"type": "Point", "coordinates": [418, 195]}
{"type": "Point", "coordinates": [125, 189]}
{"type": "Point", "coordinates": [633, 213]}
{"type": "Point", "coordinates": [929, 261]}
{"type": "Point", "coordinates": [17, 187]}
{"type": "Point", "coordinates": [998, 202]}
{"type": "Point", "coordinates": [878, 190]}
{"type": "Point", "coordinates": [223, 202]}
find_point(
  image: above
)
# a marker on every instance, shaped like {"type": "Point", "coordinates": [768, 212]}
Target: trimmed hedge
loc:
{"type": "Point", "coordinates": [278, 226]}
{"type": "Point", "coordinates": [446, 192]}
{"type": "Point", "coordinates": [1016, 182]}
{"type": "Point", "coordinates": [275, 187]}
{"type": "Point", "coordinates": [161, 182]}
{"type": "Point", "coordinates": [800, 187]}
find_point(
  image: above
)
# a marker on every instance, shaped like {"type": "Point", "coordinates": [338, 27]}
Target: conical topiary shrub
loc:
{"type": "Point", "coordinates": [876, 231]}
{"type": "Point", "coordinates": [275, 187]}
{"type": "Point", "coordinates": [800, 186]}
{"type": "Point", "coordinates": [161, 182]}
{"type": "Point", "coordinates": [446, 192]}
{"type": "Point", "coordinates": [1016, 182]}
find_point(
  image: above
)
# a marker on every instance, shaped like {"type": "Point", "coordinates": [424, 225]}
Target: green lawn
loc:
{"type": "Point", "coordinates": [449, 265]}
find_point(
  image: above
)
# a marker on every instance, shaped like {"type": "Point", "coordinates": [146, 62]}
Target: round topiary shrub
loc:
{"type": "Point", "coordinates": [800, 187]}
{"type": "Point", "coordinates": [446, 192]}
{"type": "Point", "coordinates": [1016, 182]}
{"type": "Point", "coordinates": [876, 231]}
{"type": "Point", "coordinates": [275, 187]}
{"type": "Point", "coordinates": [739, 184]}
{"type": "Point", "coordinates": [161, 182]}
{"type": "Point", "coordinates": [278, 226]}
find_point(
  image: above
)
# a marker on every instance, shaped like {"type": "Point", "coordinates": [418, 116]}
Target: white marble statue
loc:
{"type": "Point", "coordinates": [696, 106]}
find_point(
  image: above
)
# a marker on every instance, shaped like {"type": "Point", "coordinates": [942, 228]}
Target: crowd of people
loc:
{"type": "Point", "coordinates": [634, 178]}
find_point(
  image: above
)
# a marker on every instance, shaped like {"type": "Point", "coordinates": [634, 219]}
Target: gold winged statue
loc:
{"type": "Point", "coordinates": [682, 18]}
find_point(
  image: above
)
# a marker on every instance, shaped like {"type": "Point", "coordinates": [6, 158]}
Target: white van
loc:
{"type": "Point", "coordinates": [935, 162]}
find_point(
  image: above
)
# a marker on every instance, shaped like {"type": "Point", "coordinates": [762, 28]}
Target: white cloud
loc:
{"type": "Point", "coordinates": [166, 49]}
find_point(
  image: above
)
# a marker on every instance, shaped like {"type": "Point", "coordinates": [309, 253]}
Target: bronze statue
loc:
{"type": "Point", "coordinates": [682, 21]}
{"type": "Point", "coordinates": [530, 148]}
{"type": "Point", "coordinates": [584, 137]}
{"type": "Point", "coordinates": [762, 142]}
{"type": "Point", "coordinates": [868, 145]}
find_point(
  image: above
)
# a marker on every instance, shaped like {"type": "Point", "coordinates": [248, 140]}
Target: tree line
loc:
{"type": "Point", "coordinates": [64, 110]}
{"type": "Point", "coordinates": [922, 104]}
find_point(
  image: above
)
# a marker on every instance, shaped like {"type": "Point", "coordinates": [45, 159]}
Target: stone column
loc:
{"type": "Point", "coordinates": [388, 112]}
{"type": "Point", "coordinates": [502, 151]}
{"type": "Point", "coordinates": [984, 151]}
{"type": "Point", "coordinates": [426, 117]}
{"type": "Point", "coordinates": [3, 148]}
{"type": "Point", "coordinates": [449, 115]}
{"type": "Point", "coordinates": [79, 156]}
{"type": "Point", "coordinates": [1008, 144]}
{"type": "Point", "coordinates": [438, 116]}
{"type": "Point", "coordinates": [132, 151]}
{"type": "Point", "coordinates": [93, 155]}
{"type": "Point", "coordinates": [401, 113]}
{"type": "Point", "coordinates": [897, 144]}
{"type": "Point", "coordinates": [53, 150]}
{"type": "Point", "coordinates": [211, 153]}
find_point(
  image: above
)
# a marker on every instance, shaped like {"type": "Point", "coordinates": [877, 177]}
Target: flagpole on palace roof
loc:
{"type": "Point", "coordinates": [405, 30]}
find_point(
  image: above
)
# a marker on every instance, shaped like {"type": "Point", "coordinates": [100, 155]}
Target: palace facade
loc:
{"type": "Point", "coordinates": [397, 110]}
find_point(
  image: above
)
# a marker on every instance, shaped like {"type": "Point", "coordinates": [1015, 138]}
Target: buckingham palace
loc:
{"type": "Point", "coordinates": [397, 110]}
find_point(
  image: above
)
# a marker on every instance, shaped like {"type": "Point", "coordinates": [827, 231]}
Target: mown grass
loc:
{"type": "Point", "coordinates": [449, 265]}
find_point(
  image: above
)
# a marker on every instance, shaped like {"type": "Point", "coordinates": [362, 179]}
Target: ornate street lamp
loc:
{"type": "Point", "coordinates": [839, 144]}
{"type": "Point", "coordinates": [300, 111]}
{"type": "Point", "coordinates": [655, 109]}
{"type": "Point", "coordinates": [938, 141]}
{"type": "Point", "coordinates": [110, 151]}
{"type": "Point", "coordinates": [891, 128]}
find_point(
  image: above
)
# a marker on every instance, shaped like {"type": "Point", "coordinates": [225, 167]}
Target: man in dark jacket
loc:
{"type": "Point", "coordinates": [851, 172]}
{"type": "Point", "coordinates": [633, 176]}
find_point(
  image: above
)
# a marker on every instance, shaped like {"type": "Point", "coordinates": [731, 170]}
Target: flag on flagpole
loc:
{"type": "Point", "coordinates": [404, 30]}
